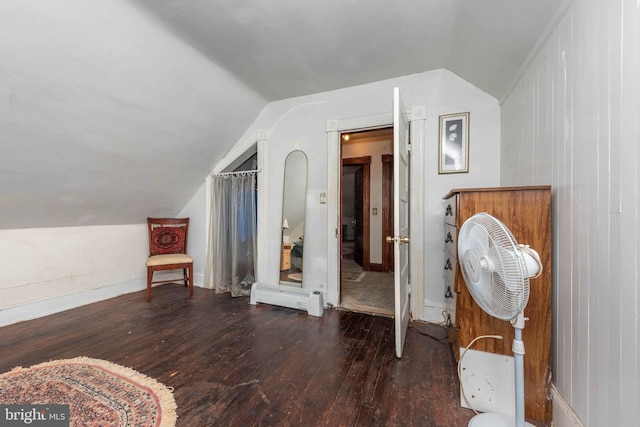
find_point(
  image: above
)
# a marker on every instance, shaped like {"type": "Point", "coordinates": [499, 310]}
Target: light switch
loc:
{"type": "Point", "coordinates": [323, 198]}
{"type": "Point", "coordinates": [374, 211]}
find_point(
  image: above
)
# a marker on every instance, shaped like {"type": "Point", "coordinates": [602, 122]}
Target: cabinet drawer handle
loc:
{"type": "Point", "coordinates": [448, 293]}
{"type": "Point", "coordinates": [449, 238]}
{"type": "Point", "coordinates": [448, 265]}
{"type": "Point", "coordinates": [449, 211]}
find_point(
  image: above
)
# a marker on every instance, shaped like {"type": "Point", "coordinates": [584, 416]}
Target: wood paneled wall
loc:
{"type": "Point", "coordinates": [573, 121]}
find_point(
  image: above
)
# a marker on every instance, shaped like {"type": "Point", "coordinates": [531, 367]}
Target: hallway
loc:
{"type": "Point", "coordinates": [367, 292]}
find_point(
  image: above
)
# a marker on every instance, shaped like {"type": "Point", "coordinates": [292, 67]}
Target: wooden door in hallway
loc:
{"type": "Point", "coordinates": [359, 199]}
{"type": "Point", "coordinates": [357, 208]}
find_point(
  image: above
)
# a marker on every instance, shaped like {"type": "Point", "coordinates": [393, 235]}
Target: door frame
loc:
{"type": "Point", "coordinates": [418, 160]}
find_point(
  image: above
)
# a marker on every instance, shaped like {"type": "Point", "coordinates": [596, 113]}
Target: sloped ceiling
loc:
{"type": "Point", "coordinates": [288, 48]}
{"type": "Point", "coordinates": [114, 110]}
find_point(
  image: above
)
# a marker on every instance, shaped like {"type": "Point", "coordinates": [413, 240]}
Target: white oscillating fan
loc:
{"type": "Point", "coordinates": [497, 270]}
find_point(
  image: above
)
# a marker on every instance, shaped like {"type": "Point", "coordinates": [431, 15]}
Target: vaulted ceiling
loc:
{"type": "Point", "coordinates": [288, 48]}
{"type": "Point", "coordinates": [114, 110]}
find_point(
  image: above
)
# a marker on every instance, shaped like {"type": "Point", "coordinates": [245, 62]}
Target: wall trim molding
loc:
{"type": "Point", "coordinates": [333, 128]}
{"type": "Point", "coordinates": [563, 414]}
{"type": "Point", "coordinates": [56, 305]}
{"type": "Point", "coordinates": [46, 307]}
{"type": "Point", "coordinates": [255, 143]}
{"type": "Point", "coordinates": [433, 312]}
{"type": "Point", "coordinates": [360, 123]}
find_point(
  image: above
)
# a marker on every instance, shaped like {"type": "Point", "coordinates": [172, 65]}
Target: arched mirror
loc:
{"type": "Point", "coordinates": [293, 213]}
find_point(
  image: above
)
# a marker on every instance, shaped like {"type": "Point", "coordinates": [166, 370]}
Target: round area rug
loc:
{"type": "Point", "coordinates": [99, 393]}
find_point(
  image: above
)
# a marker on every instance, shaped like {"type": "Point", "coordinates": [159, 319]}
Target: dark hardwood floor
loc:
{"type": "Point", "coordinates": [234, 364]}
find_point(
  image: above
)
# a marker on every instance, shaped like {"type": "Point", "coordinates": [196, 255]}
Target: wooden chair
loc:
{"type": "Point", "coordinates": [168, 250]}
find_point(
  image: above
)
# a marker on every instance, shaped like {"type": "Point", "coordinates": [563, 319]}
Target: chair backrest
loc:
{"type": "Point", "coordinates": [168, 235]}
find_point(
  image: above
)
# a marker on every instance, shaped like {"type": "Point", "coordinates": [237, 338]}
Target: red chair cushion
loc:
{"type": "Point", "coordinates": [167, 240]}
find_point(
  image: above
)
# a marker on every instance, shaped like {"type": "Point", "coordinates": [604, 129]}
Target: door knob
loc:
{"type": "Point", "coordinates": [403, 239]}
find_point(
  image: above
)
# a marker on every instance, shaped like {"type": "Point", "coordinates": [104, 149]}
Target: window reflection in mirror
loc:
{"type": "Point", "coordinates": [293, 219]}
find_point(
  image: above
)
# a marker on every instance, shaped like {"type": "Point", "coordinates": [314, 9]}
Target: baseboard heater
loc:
{"type": "Point", "coordinates": [284, 296]}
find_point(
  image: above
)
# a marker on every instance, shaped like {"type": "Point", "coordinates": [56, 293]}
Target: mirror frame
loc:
{"type": "Point", "coordinates": [293, 220]}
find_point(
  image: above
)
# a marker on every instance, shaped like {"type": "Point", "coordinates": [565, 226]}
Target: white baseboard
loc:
{"type": "Point", "coordinates": [432, 312]}
{"type": "Point", "coordinates": [198, 280]}
{"type": "Point", "coordinates": [563, 414]}
{"type": "Point", "coordinates": [37, 309]}
{"type": "Point", "coordinates": [56, 305]}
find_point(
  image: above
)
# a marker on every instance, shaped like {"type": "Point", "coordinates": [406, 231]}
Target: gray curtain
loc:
{"type": "Point", "coordinates": [230, 265]}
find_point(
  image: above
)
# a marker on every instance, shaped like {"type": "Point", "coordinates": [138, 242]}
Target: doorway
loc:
{"type": "Point", "coordinates": [366, 213]}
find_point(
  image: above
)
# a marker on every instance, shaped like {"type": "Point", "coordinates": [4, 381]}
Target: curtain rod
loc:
{"type": "Point", "coordinates": [237, 173]}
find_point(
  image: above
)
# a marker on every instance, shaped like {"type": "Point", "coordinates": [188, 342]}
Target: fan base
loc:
{"type": "Point", "coordinates": [494, 420]}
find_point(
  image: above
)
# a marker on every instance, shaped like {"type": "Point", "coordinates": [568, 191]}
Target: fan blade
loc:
{"type": "Point", "coordinates": [480, 236]}
{"type": "Point", "coordinates": [514, 284]}
{"type": "Point", "coordinates": [472, 250]}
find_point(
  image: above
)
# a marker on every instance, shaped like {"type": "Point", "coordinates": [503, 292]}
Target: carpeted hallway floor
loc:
{"type": "Point", "coordinates": [366, 291]}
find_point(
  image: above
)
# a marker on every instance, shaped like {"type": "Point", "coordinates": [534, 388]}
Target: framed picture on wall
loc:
{"type": "Point", "coordinates": [454, 143]}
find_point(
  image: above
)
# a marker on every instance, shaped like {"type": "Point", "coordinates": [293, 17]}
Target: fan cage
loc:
{"type": "Point", "coordinates": [502, 288]}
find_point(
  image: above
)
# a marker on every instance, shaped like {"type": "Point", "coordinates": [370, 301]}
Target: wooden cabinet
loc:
{"type": "Point", "coordinates": [285, 256]}
{"type": "Point", "coordinates": [526, 211]}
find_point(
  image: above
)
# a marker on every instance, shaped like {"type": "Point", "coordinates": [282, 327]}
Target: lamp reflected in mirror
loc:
{"type": "Point", "coordinates": [293, 219]}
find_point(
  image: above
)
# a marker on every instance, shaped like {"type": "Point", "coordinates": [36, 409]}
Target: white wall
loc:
{"type": "Point", "coordinates": [573, 121]}
{"type": "Point", "coordinates": [195, 211]}
{"type": "Point", "coordinates": [107, 118]}
{"type": "Point", "coordinates": [47, 270]}
{"type": "Point", "coordinates": [43, 267]}
{"type": "Point", "coordinates": [299, 124]}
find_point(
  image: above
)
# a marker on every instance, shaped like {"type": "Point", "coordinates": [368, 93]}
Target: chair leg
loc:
{"type": "Point", "coordinates": [184, 274]}
{"type": "Point", "coordinates": [149, 278]}
{"type": "Point", "coordinates": [191, 279]}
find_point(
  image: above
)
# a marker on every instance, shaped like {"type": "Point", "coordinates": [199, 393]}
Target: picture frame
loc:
{"type": "Point", "coordinates": [453, 147]}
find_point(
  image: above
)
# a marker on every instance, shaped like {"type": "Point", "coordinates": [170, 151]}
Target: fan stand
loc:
{"type": "Point", "coordinates": [489, 419]}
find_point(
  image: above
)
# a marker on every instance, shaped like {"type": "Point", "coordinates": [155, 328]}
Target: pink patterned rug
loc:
{"type": "Point", "coordinates": [99, 393]}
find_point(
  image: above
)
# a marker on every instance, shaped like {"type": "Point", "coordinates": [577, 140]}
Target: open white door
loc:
{"type": "Point", "coordinates": [400, 219]}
